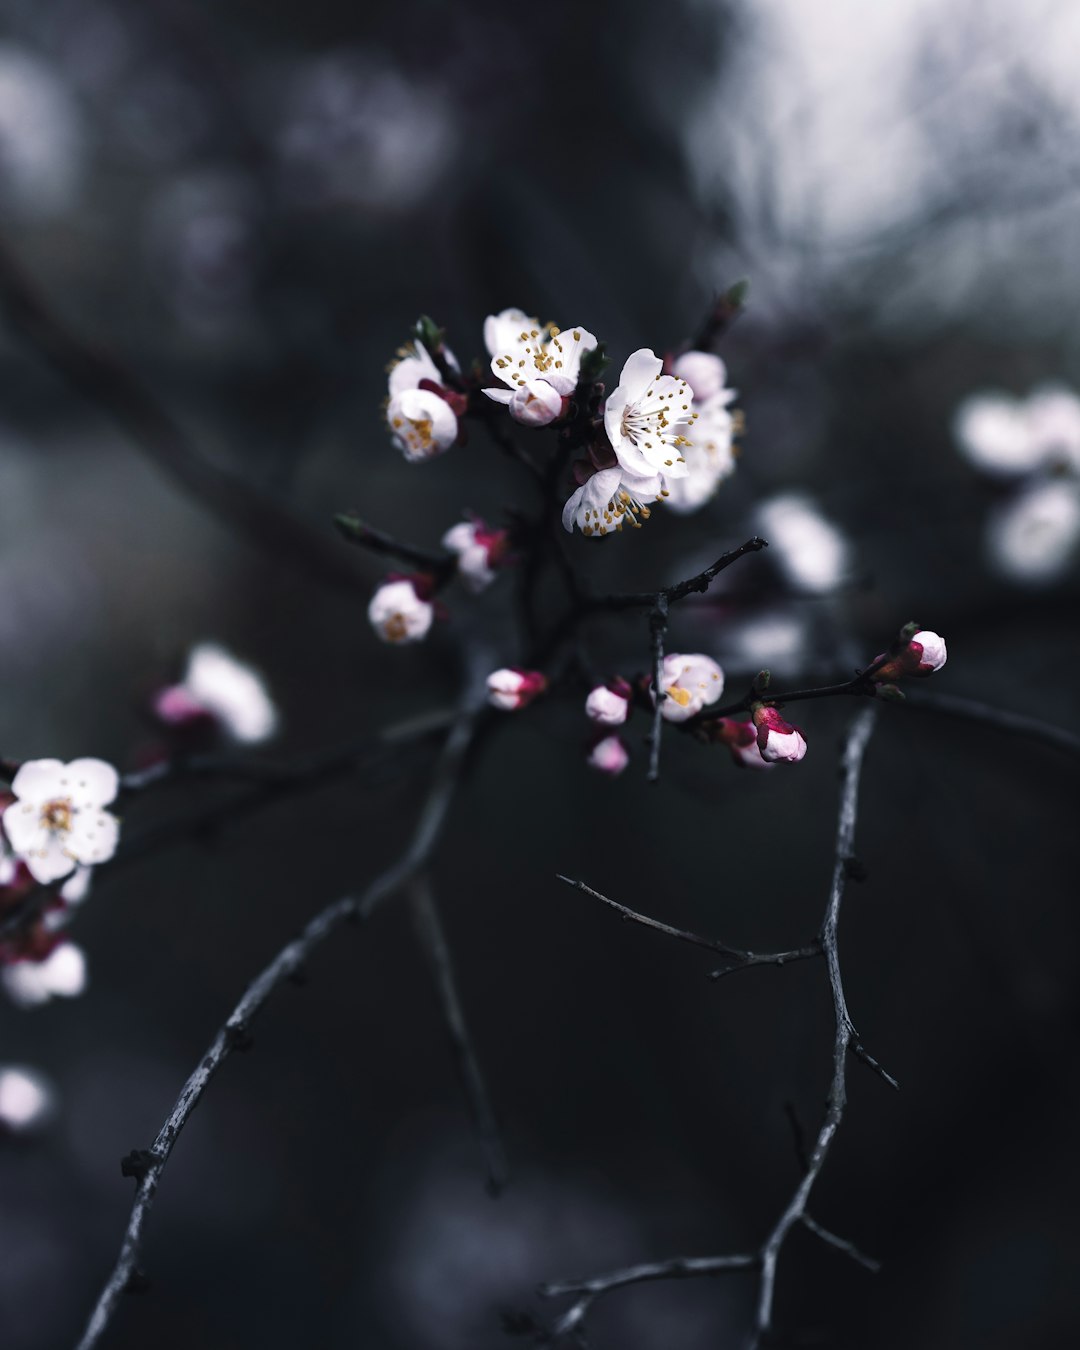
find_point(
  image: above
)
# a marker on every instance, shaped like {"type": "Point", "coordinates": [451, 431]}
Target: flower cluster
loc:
{"type": "Point", "coordinates": [55, 828]}
{"type": "Point", "coordinates": [1033, 444]}
{"type": "Point", "coordinates": [665, 433]}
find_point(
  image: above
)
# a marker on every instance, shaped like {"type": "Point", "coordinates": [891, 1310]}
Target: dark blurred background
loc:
{"type": "Point", "coordinates": [249, 204]}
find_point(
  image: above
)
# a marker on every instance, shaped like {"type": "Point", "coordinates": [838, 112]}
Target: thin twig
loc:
{"type": "Point", "coordinates": [432, 938]}
{"type": "Point", "coordinates": [680, 590]}
{"type": "Point", "coordinates": [1018, 724]}
{"type": "Point", "coordinates": [845, 1039]}
{"type": "Point", "coordinates": [359, 532]}
{"type": "Point", "coordinates": [676, 1268]}
{"type": "Point", "coordinates": [739, 959]}
{"type": "Point", "coordinates": [658, 629]}
{"type": "Point", "coordinates": [149, 1165]}
{"type": "Point", "coordinates": [841, 1244]}
{"type": "Point", "coordinates": [852, 759]}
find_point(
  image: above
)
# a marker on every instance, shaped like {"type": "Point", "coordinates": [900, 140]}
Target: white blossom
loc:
{"type": "Point", "coordinates": [1010, 436]}
{"type": "Point", "coordinates": [398, 614]}
{"type": "Point", "coordinates": [1034, 538]}
{"type": "Point", "coordinates": [476, 547]}
{"type": "Point", "coordinates": [710, 457]}
{"type": "Point", "coordinates": [59, 819]}
{"type": "Point", "coordinates": [705, 374]}
{"type": "Point", "coordinates": [422, 424]}
{"type": "Point", "coordinates": [609, 756]}
{"type": "Point", "coordinates": [607, 707]}
{"type": "Point", "coordinates": [217, 685]}
{"type": "Point", "coordinates": [502, 331]}
{"type": "Point", "coordinates": [647, 417]}
{"type": "Point", "coordinates": [27, 1099]}
{"type": "Point", "coordinates": [539, 368]}
{"type": "Point", "coordinates": [691, 683]}
{"type": "Point", "coordinates": [609, 499]}
{"type": "Point", "coordinates": [812, 553]}
{"type": "Point", "coordinates": [62, 974]}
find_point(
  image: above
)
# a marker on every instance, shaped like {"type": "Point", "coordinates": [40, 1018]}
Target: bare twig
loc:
{"type": "Point", "coordinates": [147, 1166]}
{"type": "Point", "coordinates": [766, 1258]}
{"type": "Point", "coordinates": [737, 958]}
{"type": "Point", "coordinates": [658, 629]}
{"type": "Point", "coordinates": [432, 938]}
{"type": "Point", "coordinates": [357, 531]}
{"type": "Point", "coordinates": [1000, 719]}
{"type": "Point", "coordinates": [698, 584]}
{"type": "Point", "coordinates": [677, 1268]}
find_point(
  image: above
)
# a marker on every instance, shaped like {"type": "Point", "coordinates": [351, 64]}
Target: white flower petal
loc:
{"type": "Point", "coordinates": [423, 425]}
{"type": "Point", "coordinates": [92, 837]}
{"type": "Point", "coordinates": [415, 365]}
{"type": "Point", "coordinates": [232, 691]}
{"type": "Point", "coordinates": [91, 782]}
{"type": "Point", "coordinates": [38, 779]}
{"type": "Point", "coordinates": [641, 368]}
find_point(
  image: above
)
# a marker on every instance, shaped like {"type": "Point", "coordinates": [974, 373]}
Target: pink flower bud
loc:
{"type": "Point", "coordinates": [924, 654]}
{"type": "Point", "coordinates": [741, 738]}
{"type": "Point", "coordinates": [777, 739]}
{"type": "Point", "coordinates": [609, 756]}
{"type": "Point", "coordinates": [512, 688]}
{"type": "Point", "coordinates": [607, 706]}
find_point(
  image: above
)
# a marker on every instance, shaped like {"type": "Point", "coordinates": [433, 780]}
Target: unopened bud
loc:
{"type": "Point", "coordinates": [608, 704]}
{"type": "Point", "coordinates": [512, 688]}
{"type": "Point", "coordinates": [609, 756]}
{"type": "Point", "coordinates": [923, 653]}
{"type": "Point", "coordinates": [777, 739]}
{"type": "Point", "coordinates": [741, 739]}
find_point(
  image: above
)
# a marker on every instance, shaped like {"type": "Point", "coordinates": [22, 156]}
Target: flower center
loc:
{"type": "Point", "coordinates": [679, 694]}
{"type": "Point", "coordinates": [396, 628]}
{"type": "Point", "coordinates": [56, 815]}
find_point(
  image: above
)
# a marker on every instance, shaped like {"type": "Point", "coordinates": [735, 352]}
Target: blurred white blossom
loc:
{"type": "Point", "coordinates": [41, 142]}
{"type": "Point", "coordinates": [62, 974]}
{"type": "Point", "coordinates": [27, 1099]}
{"type": "Point", "coordinates": [217, 685]}
{"type": "Point", "coordinates": [1033, 538]}
{"type": "Point", "coordinates": [354, 129]}
{"type": "Point", "coordinates": [811, 552]}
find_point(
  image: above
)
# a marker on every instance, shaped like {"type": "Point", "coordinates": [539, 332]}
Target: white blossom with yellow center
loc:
{"type": "Point", "coordinates": [648, 416]}
{"type": "Point", "coordinates": [422, 424]}
{"type": "Point", "coordinates": [59, 819]}
{"type": "Point", "coordinates": [540, 368]}
{"type": "Point", "coordinates": [611, 499]}
{"type": "Point", "coordinates": [691, 683]}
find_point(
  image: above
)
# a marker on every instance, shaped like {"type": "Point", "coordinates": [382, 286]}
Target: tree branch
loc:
{"type": "Point", "coordinates": [739, 959]}
{"type": "Point", "coordinates": [432, 938]}
{"type": "Point", "coordinates": [845, 1038]}
{"type": "Point", "coordinates": [149, 1165]}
